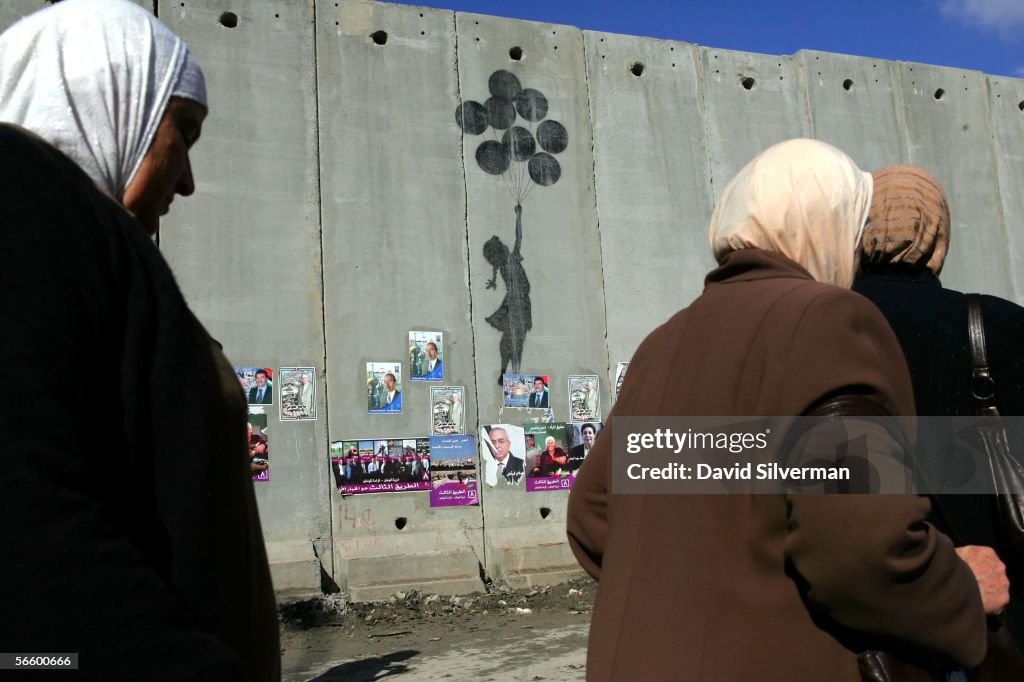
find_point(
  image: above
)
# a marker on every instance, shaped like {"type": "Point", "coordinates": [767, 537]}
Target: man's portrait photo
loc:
{"type": "Point", "coordinates": [257, 383]}
{"type": "Point", "coordinates": [539, 395]}
{"type": "Point", "coordinates": [425, 350]}
{"type": "Point", "coordinates": [384, 387]}
{"type": "Point", "coordinates": [502, 453]}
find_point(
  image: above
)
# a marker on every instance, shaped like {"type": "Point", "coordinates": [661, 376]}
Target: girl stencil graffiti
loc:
{"type": "Point", "coordinates": [523, 155]}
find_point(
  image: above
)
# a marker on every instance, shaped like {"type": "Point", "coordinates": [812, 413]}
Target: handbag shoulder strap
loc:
{"type": "Point", "coordinates": [983, 384]}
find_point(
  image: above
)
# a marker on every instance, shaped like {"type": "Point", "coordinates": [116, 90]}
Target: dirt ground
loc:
{"type": "Point", "coordinates": [504, 635]}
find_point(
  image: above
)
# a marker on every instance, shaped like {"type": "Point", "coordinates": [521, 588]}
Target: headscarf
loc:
{"type": "Point", "coordinates": [909, 219]}
{"type": "Point", "coordinates": [801, 198]}
{"type": "Point", "coordinates": [93, 78]}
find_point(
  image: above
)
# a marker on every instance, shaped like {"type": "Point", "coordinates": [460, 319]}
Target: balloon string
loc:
{"type": "Point", "coordinates": [526, 165]}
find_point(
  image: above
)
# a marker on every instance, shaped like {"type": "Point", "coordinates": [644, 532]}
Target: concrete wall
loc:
{"type": "Point", "coordinates": [340, 206]}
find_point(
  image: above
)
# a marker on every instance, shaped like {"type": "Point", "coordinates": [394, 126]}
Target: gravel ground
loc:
{"type": "Point", "coordinates": [503, 635]}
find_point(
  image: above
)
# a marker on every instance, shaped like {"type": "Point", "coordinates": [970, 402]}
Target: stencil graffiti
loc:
{"type": "Point", "coordinates": [521, 150]}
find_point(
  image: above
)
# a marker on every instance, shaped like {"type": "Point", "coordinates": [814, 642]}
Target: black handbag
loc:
{"type": "Point", "coordinates": [1003, 661]}
{"type": "Point", "coordinates": [1007, 472]}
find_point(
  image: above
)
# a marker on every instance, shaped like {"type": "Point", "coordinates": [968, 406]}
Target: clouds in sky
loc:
{"type": "Point", "coordinates": [1003, 16]}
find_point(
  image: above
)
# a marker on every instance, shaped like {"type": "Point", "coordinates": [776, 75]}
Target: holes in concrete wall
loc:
{"type": "Point", "coordinates": [848, 84]}
{"type": "Point", "coordinates": [940, 93]}
{"type": "Point", "coordinates": [379, 37]}
{"type": "Point", "coordinates": [1021, 105]}
{"type": "Point", "coordinates": [400, 522]}
{"type": "Point", "coordinates": [637, 69]}
{"type": "Point", "coordinates": [515, 53]}
{"type": "Point", "coordinates": [228, 19]}
{"type": "Point", "coordinates": [544, 512]}
{"type": "Point", "coordinates": [747, 82]}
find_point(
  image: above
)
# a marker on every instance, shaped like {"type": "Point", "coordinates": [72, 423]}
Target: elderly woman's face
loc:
{"type": "Point", "coordinates": [165, 170]}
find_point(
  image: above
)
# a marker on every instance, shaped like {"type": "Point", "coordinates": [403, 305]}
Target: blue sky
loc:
{"type": "Point", "coordinates": [987, 35]}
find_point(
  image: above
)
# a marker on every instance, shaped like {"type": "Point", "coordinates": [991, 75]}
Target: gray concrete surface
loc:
{"type": "Point", "coordinates": [751, 101]}
{"type": "Point", "coordinates": [246, 247]}
{"type": "Point", "coordinates": [949, 132]}
{"type": "Point", "coordinates": [855, 104]}
{"type": "Point", "coordinates": [394, 261]}
{"type": "Point", "coordinates": [1006, 104]}
{"type": "Point", "coordinates": [652, 178]}
{"type": "Point", "coordinates": [340, 206]}
{"type": "Point", "coordinates": [562, 260]}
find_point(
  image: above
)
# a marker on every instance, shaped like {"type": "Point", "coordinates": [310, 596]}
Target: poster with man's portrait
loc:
{"type": "Point", "coordinates": [502, 454]}
{"type": "Point", "coordinates": [584, 398]}
{"type": "Point", "coordinates": [384, 387]}
{"type": "Point", "coordinates": [425, 356]}
{"type": "Point", "coordinates": [447, 410]}
{"type": "Point", "coordinates": [525, 390]}
{"type": "Point", "coordinates": [298, 393]}
{"type": "Point", "coordinates": [257, 384]}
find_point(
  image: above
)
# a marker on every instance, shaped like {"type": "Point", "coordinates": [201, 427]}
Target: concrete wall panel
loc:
{"type": "Point", "coordinates": [949, 129]}
{"type": "Point", "coordinates": [12, 10]}
{"type": "Point", "coordinates": [855, 105]}
{"type": "Point", "coordinates": [751, 101]}
{"type": "Point", "coordinates": [561, 258]}
{"type": "Point", "coordinates": [653, 190]}
{"type": "Point", "coordinates": [394, 260]}
{"type": "Point", "coordinates": [246, 247]}
{"type": "Point", "coordinates": [1006, 104]}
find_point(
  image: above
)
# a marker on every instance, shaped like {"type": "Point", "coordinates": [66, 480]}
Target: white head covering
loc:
{"type": "Point", "coordinates": [801, 198]}
{"type": "Point", "coordinates": [93, 78]}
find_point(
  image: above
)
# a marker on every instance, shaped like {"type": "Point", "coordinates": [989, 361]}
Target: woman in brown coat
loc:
{"type": "Point", "coordinates": [769, 587]}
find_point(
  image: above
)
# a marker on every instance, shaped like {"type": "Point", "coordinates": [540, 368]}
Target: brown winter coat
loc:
{"type": "Point", "coordinates": [714, 588]}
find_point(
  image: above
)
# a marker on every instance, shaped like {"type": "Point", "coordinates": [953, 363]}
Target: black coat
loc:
{"type": "Point", "coordinates": [930, 323]}
{"type": "Point", "coordinates": [128, 520]}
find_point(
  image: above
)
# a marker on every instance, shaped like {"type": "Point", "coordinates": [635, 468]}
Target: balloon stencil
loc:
{"type": "Point", "coordinates": [520, 133]}
{"type": "Point", "coordinates": [520, 142]}
{"type": "Point", "coordinates": [504, 84]}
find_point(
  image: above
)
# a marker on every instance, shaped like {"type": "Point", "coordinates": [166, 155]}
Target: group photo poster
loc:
{"type": "Point", "coordinates": [447, 410]}
{"type": "Point", "coordinates": [257, 384]}
{"type": "Point", "coordinates": [453, 471]}
{"type": "Point", "coordinates": [502, 453]}
{"type": "Point", "coordinates": [525, 390]}
{"type": "Point", "coordinates": [385, 465]}
{"type": "Point", "coordinates": [426, 352]}
{"type": "Point", "coordinates": [584, 398]}
{"type": "Point", "coordinates": [547, 457]}
{"type": "Point", "coordinates": [384, 387]}
{"type": "Point", "coordinates": [298, 393]}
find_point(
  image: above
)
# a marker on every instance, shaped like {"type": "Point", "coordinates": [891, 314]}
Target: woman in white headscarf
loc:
{"type": "Point", "coordinates": [720, 588]}
{"type": "Point", "coordinates": [111, 87]}
{"type": "Point", "coordinates": [128, 520]}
